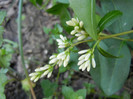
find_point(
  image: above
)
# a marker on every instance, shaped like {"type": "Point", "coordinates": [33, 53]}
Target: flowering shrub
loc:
{"type": "Point", "coordinates": [105, 53]}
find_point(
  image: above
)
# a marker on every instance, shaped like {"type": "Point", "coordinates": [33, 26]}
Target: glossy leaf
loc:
{"type": "Point", "coordinates": [63, 1]}
{"type": "Point", "coordinates": [111, 73]}
{"type": "Point", "coordinates": [125, 23]}
{"type": "Point", "coordinates": [85, 11]}
{"type": "Point", "coordinates": [106, 54]}
{"type": "Point", "coordinates": [108, 19]}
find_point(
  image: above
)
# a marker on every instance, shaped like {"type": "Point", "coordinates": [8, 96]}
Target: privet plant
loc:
{"type": "Point", "coordinates": [106, 32]}
{"type": "Point", "coordinates": [107, 57]}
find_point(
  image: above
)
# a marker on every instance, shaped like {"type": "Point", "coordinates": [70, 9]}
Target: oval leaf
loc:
{"type": "Point", "coordinates": [111, 73]}
{"type": "Point", "coordinates": [108, 19]}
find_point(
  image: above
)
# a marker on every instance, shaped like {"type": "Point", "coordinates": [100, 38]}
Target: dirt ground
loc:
{"type": "Point", "coordinates": [36, 47]}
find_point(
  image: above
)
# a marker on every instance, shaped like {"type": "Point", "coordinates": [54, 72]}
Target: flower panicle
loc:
{"type": "Point", "coordinates": [41, 72]}
{"type": "Point", "coordinates": [78, 31]}
{"type": "Point", "coordinates": [86, 59]}
{"type": "Point", "coordinates": [62, 42]}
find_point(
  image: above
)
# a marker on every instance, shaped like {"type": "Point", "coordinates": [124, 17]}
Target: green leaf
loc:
{"type": "Point", "coordinates": [68, 93]}
{"type": "Point", "coordinates": [2, 16]}
{"type": "Point", "coordinates": [63, 1]}
{"type": "Point", "coordinates": [40, 2]}
{"type": "Point", "coordinates": [3, 79]}
{"type": "Point", "coordinates": [61, 10]}
{"type": "Point", "coordinates": [46, 30]}
{"type": "Point", "coordinates": [108, 19]}
{"type": "Point", "coordinates": [1, 35]}
{"type": "Point", "coordinates": [73, 61]}
{"type": "Point", "coordinates": [106, 54]}
{"type": "Point", "coordinates": [85, 11]}
{"type": "Point", "coordinates": [89, 87]}
{"type": "Point", "coordinates": [111, 73]}
{"type": "Point", "coordinates": [48, 87]}
{"type": "Point", "coordinates": [5, 59]}
{"type": "Point", "coordinates": [125, 23]}
{"type": "Point", "coordinates": [81, 93]}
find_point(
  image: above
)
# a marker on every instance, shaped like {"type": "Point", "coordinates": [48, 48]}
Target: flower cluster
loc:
{"type": "Point", "coordinates": [41, 72]}
{"type": "Point", "coordinates": [62, 58]}
{"type": "Point", "coordinates": [63, 42]}
{"type": "Point", "coordinates": [86, 59]}
{"type": "Point", "coordinates": [78, 31]}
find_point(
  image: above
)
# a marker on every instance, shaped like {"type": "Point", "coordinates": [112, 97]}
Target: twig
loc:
{"type": "Point", "coordinates": [82, 74]}
{"type": "Point", "coordinates": [21, 46]}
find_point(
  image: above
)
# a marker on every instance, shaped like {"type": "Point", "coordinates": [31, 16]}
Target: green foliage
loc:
{"type": "Point", "coordinates": [2, 16]}
{"type": "Point", "coordinates": [111, 73]}
{"type": "Point", "coordinates": [125, 23]}
{"type": "Point", "coordinates": [25, 84]}
{"type": "Point", "coordinates": [1, 33]}
{"type": "Point", "coordinates": [3, 79]}
{"type": "Point", "coordinates": [108, 19]}
{"type": "Point", "coordinates": [6, 53]}
{"type": "Point", "coordinates": [48, 88]}
{"type": "Point", "coordinates": [85, 11]}
{"type": "Point", "coordinates": [61, 10]}
{"type": "Point", "coordinates": [35, 2]}
{"type": "Point", "coordinates": [104, 53]}
{"type": "Point", "coordinates": [63, 1]}
{"type": "Point", "coordinates": [53, 33]}
{"type": "Point", "coordinates": [89, 87]}
{"type": "Point", "coordinates": [68, 93]}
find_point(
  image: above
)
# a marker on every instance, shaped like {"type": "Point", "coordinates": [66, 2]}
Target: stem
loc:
{"type": "Point", "coordinates": [90, 40]}
{"type": "Point", "coordinates": [58, 75]}
{"type": "Point", "coordinates": [21, 46]}
{"type": "Point", "coordinates": [115, 35]}
{"type": "Point", "coordinates": [107, 37]}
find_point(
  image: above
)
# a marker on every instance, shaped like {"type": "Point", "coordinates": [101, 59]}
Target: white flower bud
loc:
{"type": "Point", "coordinates": [82, 52]}
{"type": "Point", "coordinates": [87, 56]}
{"type": "Point", "coordinates": [75, 21]}
{"type": "Point", "coordinates": [81, 37]}
{"type": "Point", "coordinates": [81, 62]}
{"type": "Point", "coordinates": [81, 24]}
{"type": "Point", "coordinates": [93, 63]}
{"type": "Point", "coordinates": [76, 28]}
{"type": "Point", "coordinates": [36, 79]}
{"type": "Point", "coordinates": [70, 23]}
{"type": "Point", "coordinates": [73, 32]}
{"type": "Point", "coordinates": [49, 75]}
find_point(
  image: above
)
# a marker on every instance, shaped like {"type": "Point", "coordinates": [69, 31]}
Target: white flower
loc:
{"type": "Point", "coordinates": [41, 72]}
{"type": "Point", "coordinates": [63, 58]}
{"type": "Point", "coordinates": [62, 43]}
{"type": "Point", "coordinates": [81, 35]}
{"type": "Point", "coordinates": [73, 22]}
{"type": "Point", "coordinates": [70, 23]}
{"type": "Point", "coordinates": [81, 24]}
{"type": "Point", "coordinates": [86, 59]}
{"type": "Point", "coordinates": [73, 32]}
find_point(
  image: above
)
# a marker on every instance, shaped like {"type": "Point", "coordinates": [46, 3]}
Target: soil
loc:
{"type": "Point", "coordinates": [36, 48]}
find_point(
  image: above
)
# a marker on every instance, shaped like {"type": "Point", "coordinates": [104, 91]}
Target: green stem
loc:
{"type": "Point", "coordinates": [115, 35]}
{"type": "Point", "coordinates": [58, 75]}
{"type": "Point", "coordinates": [21, 45]}
{"type": "Point", "coordinates": [107, 37]}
